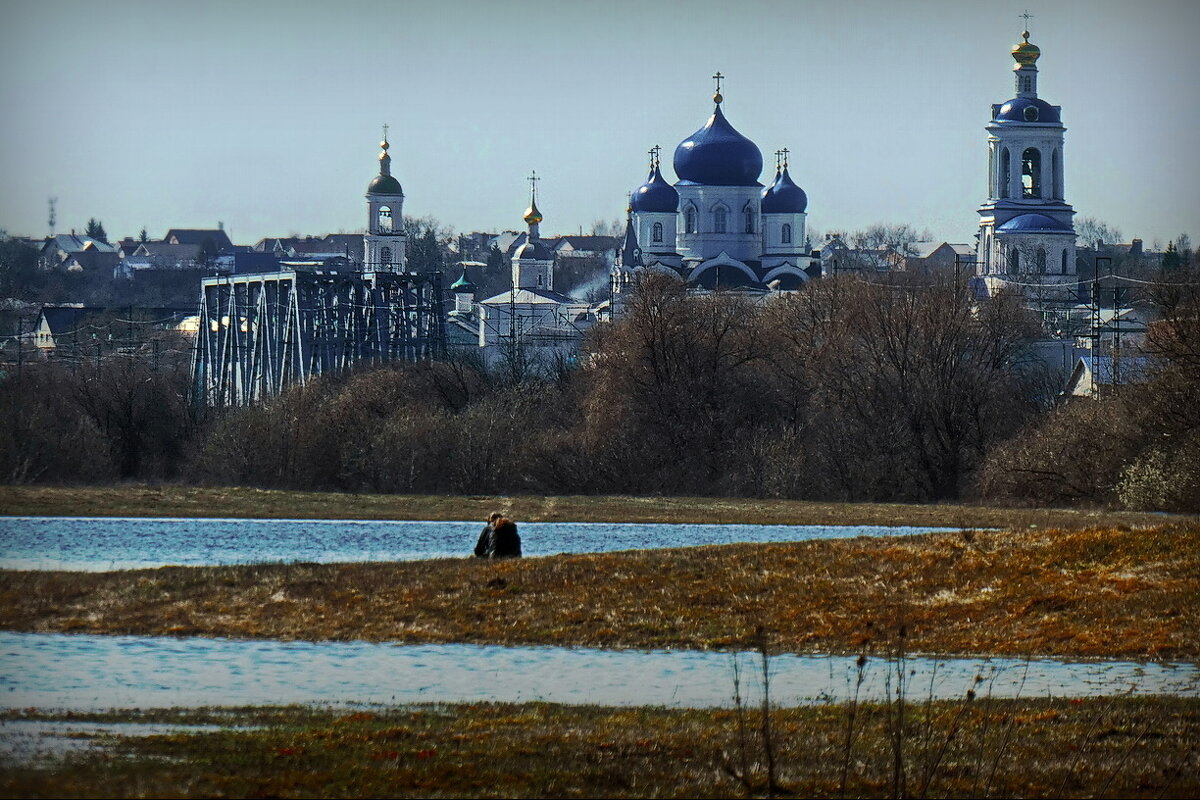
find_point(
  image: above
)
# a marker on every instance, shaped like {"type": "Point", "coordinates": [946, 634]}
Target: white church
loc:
{"type": "Point", "coordinates": [717, 226]}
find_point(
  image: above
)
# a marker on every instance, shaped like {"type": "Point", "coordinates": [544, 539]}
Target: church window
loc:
{"type": "Point", "coordinates": [385, 219]}
{"type": "Point", "coordinates": [1041, 260]}
{"type": "Point", "coordinates": [786, 235]}
{"type": "Point", "coordinates": [992, 171]}
{"type": "Point", "coordinates": [1005, 172]}
{"type": "Point", "coordinates": [385, 257]}
{"type": "Point", "coordinates": [720, 217]}
{"type": "Point", "coordinates": [657, 232]}
{"type": "Point", "coordinates": [1014, 261]}
{"type": "Point", "coordinates": [689, 220]}
{"type": "Point", "coordinates": [1064, 262]}
{"type": "Point", "coordinates": [1056, 175]}
{"type": "Point", "coordinates": [1031, 172]}
{"type": "Point", "coordinates": [749, 221]}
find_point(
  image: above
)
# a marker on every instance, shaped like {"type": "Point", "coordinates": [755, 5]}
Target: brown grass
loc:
{"type": "Point", "coordinates": [1077, 748]}
{"type": "Point", "coordinates": [192, 501]}
{"type": "Point", "coordinates": [1095, 592]}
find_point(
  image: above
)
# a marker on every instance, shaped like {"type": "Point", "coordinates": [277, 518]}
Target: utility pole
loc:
{"type": "Point", "coordinates": [1096, 321]}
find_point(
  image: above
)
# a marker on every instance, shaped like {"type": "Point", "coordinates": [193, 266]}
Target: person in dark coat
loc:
{"type": "Point", "coordinates": [483, 548]}
{"type": "Point", "coordinates": [506, 542]}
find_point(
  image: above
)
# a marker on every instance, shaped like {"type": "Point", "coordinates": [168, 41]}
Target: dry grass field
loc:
{"type": "Point", "coordinates": [1098, 747]}
{"type": "Point", "coordinates": [1120, 592]}
{"type": "Point", "coordinates": [191, 501]}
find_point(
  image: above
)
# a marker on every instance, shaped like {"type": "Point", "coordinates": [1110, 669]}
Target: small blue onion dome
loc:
{"type": "Point", "coordinates": [1034, 222]}
{"type": "Point", "coordinates": [717, 155]}
{"type": "Point", "coordinates": [1026, 109]}
{"type": "Point", "coordinates": [784, 196]}
{"type": "Point", "coordinates": [655, 196]}
{"type": "Point", "coordinates": [463, 285]}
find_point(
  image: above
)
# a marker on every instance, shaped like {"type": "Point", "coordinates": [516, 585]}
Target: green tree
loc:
{"type": "Point", "coordinates": [95, 230]}
{"type": "Point", "coordinates": [1170, 260]}
{"type": "Point", "coordinates": [143, 236]}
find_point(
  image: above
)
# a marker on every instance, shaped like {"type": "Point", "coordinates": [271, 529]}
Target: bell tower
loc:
{"type": "Point", "coordinates": [1026, 234]}
{"type": "Point", "coordinates": [383, 245]}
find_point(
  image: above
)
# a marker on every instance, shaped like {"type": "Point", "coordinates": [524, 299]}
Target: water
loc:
{"type": "Point", "coordinates": [106, 543]}
{"type": "Point", "coordinates": [86, 672]}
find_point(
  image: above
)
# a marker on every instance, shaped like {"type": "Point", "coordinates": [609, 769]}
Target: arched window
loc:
{"type": "Point", "coordinates": [1031, 172]}
{"type": "Point", "coordinates": [1064, 262]}
{"type": "Point", "coordinates": [720, 219]}
{"type": "Point", "coordinates": [992, 170]}
{"type": "Point", "coordinates": [1041, 260]}
{"type": "Point", "coordinates": [1014, 261]}
{"type": "Point", "coordinates": [385, 220]}
{"type": "Point", "coordinates": [689, 220]}
{"type": "Point", "coordinates": [1056, 174]}
{"type": "Point", "coordinates": [1005, 172]}
{"type": "Point", "coordinates": [385, 256]}
{"type": "Point", "coordinates": [749, 220]}
{"type": "Point", "coordinates": [657, 232]}
{"type": "Point", "coordinates": [786, 236]}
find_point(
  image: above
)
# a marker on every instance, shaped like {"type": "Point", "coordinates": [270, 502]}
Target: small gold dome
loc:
{"type": "Point", "coordinates": [717, 98]}
{"type": "Point", "coordinates": [532, 214]}
{"type": "Point", "coordinates": [1026, 54]}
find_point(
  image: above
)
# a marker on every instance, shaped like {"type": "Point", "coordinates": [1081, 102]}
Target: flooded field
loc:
{"type": "Point", "coordinates": [107, 543]}
{"type": "Point", "coordinates": [85, 672]}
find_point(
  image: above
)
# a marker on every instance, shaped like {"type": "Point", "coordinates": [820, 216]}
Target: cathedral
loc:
{"type": "Point", "coordinates": [717, 225]}
{"type": "Point", "coordinates": [1026, 236]}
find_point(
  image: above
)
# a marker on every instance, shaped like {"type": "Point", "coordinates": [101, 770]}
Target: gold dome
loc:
{"type": "Point", "coordinates": [532, 214]}
{"type": "Point", "coordinates": [1026, 54]}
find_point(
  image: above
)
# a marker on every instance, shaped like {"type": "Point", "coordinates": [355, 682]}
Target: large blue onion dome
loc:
{"type": "Point", "coordinates": [655, 195]}
{"type": "Point", "coordinates": [1034, 223]}
{"type": "Point", "coordinates": [717, 155]}
{"type": "Point", "coordinates": [1026, 109]}
{"type": "Point", "coordinates": [784, 196]}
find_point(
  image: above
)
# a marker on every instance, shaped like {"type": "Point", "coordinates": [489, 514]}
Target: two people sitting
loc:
{"type": "Point", "coordinates": [499, 538]}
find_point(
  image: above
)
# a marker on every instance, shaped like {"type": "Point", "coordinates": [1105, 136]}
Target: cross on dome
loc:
{"type": "Point", "coordinates": [717, 98]}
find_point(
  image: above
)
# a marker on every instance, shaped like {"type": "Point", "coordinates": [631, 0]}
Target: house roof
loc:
{"type": "Point", "coordinates": [531, 297]}
{"type": "Point", "coordinates": [198, 236]}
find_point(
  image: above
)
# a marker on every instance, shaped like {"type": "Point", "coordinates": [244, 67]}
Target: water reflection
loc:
{"type": "Point", "coordinates": [107, 543]}
{"type": "Point", "coordinates": [97, 672]}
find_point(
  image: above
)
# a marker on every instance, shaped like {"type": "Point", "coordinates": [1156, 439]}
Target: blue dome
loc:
{"type": "Point", "coordinates": [1034, 222]}
{"type": "Point", "coordinates": [784, 196]}
{"type": "Point", "coordinates": [717, 155]}
{"type": "Point", "coordinates": [655, 195]}
{"type": "Point", "coordinates": [1026, 109]}
{"type": "Point", "coordinates": [534, 250]}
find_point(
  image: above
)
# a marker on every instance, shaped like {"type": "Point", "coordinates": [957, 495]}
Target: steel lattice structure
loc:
{"type": "Point", "coordinates": [261, 333]}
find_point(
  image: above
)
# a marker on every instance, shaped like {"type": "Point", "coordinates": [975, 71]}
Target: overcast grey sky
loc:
{"type": "Point", "coordinates": [267, 114]}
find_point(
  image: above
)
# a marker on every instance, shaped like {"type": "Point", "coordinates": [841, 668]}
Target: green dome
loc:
{"type": "Point", "coordinates": [384, 184]}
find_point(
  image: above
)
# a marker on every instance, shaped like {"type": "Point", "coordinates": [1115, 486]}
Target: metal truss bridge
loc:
{"type": "Point", "coordinates": [261, 333]}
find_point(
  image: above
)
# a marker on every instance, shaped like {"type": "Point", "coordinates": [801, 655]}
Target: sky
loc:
{"type": "Point", "coordinates": [266, 115]}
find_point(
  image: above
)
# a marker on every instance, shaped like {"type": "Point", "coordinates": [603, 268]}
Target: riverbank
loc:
{"type": "Point", "coordinates": [237, 502]}
{"type": "Point", "coordinates": [1100, 592]}
{"type": "Point", "coordinates": [1124, 747]}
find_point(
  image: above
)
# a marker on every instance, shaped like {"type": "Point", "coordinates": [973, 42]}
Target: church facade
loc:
{"type": "Point", "coordinates": [1026, 235]}
{"type": "Point", "coordinates": [717, 226]}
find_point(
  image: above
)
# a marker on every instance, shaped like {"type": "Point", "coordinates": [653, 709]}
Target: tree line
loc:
{"type": "Point", "coordinates": [905, 390]}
